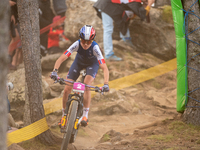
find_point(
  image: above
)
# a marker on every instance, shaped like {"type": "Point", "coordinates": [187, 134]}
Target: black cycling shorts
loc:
{"type": "Point", "coordinates": [74, 71]}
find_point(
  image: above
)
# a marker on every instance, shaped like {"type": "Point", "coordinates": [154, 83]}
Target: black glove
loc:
{"type": "Point", "coordinates": [62, 81]}
{"type": "Point", "coordinates": [105, 88]}
{"type": "Point", "coordinates": [54, 75]}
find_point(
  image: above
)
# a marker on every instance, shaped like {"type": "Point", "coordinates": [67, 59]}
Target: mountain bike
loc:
{"type": "Point", "coordinates": [74, 109]}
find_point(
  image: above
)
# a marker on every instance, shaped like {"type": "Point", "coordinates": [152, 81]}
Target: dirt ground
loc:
{"type": "Point", "coordinates": [140, 117]}
{"type": "Point", "coordinates": [151, 125]}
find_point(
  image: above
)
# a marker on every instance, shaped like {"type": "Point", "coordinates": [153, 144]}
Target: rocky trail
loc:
{"type": "Point", "coordinates": [118, 118]}
{"type": "Point", "coordinates": [140, 117]}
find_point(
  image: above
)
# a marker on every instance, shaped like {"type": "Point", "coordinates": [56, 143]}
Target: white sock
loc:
{"type": "Point", "coordinates": [85, 112]}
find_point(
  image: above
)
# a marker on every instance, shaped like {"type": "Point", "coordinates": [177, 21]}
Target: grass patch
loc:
{"type": "Point", "coordinates": [163, 138]}
{"type": "Point", "coordinates": [167, 14]}
{"type": "Point", "coordinates": [186, 130]}
{"type": "Point", "coordinates": [105, 138]}
{"type": "Point", "coordinates": [179, 131]}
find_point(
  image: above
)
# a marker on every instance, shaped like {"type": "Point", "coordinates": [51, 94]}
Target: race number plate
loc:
{"type": "Point", "coordinates": [79, 87]}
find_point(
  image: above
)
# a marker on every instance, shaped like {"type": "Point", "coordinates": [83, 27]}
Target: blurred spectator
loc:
{"type": "Point", "coordinates": [14, 53]}
{"type": "Point", "coordinates": [119, 11]}
{"type": "Point", "coordinates": [45, 18]}
{"type": "Point", "coordinates": [55, 36]}
{"type": "Point", "coordinates": [48, 9]}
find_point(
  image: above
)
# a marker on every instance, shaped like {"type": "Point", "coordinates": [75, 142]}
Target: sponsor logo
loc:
{"type": "Point", "coordinates": [72, 48]}
{"type": "Point", "coordinates": [97, 52]}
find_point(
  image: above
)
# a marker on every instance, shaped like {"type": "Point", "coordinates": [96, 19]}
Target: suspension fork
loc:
{"type": "Point", "coordinates": [80, 104]}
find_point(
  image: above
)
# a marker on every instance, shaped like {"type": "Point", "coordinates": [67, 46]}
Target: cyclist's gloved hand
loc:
{"type": "Point", "coordinates": [105, 88]}
{"type": "Point", "coordinates": [54, 75]}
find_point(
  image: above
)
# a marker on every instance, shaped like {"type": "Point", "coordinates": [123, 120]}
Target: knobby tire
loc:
{"type": "Point", "coordinates": [70, 125]}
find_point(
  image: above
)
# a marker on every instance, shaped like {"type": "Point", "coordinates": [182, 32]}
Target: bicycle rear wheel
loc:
{"type": "Point", "coordinates": [70, 124]}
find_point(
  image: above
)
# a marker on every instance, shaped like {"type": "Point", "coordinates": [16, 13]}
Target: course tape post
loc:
{"type": "Point", "coordinates": [41, 126]}
{"type": "Point", "coordinates": [181, 55]}
{"type": "Point", "coordinates": [182, 33]}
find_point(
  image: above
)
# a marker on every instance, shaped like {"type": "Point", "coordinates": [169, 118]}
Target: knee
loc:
{"type": "Point", "coordinates": [67, 89]}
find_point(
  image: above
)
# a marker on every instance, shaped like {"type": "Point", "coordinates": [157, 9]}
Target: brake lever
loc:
{"type": "Point", "coordinates": [100, 89]}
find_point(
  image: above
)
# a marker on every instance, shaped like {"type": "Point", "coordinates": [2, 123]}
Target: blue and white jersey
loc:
{"type": "Point", "coordinates": [91, 55]}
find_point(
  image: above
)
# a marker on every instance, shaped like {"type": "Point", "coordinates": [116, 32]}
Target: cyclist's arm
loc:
{"type": "Point", "coordinates": [74, 47]}
{"type": "Point", "coordinates": [105, 72]}
{"type": "Point", "coordinates": [102, 64]}
{"type": "Point", "coordinates": [60, 60]}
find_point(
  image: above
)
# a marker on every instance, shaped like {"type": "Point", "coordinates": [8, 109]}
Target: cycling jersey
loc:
{"type": "Point", "coordinates": [91, 55]}
{"type": "Point", "coordinates": [85, 59]}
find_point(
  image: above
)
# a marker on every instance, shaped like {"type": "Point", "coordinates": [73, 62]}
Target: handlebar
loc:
{"type": "Point", "coordinates": [92, 88]}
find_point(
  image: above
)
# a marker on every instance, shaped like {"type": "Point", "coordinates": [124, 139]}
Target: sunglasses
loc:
{"type": "Point", "coordinates": [88, 42]}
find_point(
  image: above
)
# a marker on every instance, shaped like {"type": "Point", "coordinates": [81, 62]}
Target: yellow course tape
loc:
{"type": "Point", "coordinates": [27, 132]}
{"type": "Point", "coordinates": [53, 106]}
{"type": "Point", "coordinates": [121, 83]}
{"type": "Point", "coordinates": [143, 75]}
{"type": "Point", "coordinates": [40, 126]}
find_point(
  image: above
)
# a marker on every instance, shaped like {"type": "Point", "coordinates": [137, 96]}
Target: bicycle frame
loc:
{"type": "Point", "coordinates": [75, 106]}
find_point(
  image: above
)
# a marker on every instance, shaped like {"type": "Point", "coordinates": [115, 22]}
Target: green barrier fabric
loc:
{"type": "Point", "coordinates": [178, 17]}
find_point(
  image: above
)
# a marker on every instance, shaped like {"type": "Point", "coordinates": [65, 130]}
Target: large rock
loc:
{"type": "Point", "coordinates": [48, 62]}
{"type": "Point", "coordinates": [162, 2]}
{"type": "Point", "coordinates": [153, 38]}
{"type": "Point", "coordinates": [17, 95]}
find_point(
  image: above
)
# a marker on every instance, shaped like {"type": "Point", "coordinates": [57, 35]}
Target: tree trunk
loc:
{"type": "Point", "coordinates": [29, 28]}
{"type": "Point", "coordinates": [4, 41]}
{"type": "Point", "coordinates": [192, 112]}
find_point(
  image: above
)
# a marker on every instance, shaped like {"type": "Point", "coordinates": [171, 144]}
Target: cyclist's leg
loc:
{"type": "Point", "coordinates": [66, 93]}
{"type": "Point", "coordinates": [72, 75]}
{"type": "Point", "coordinates": [87, 95]}
{"type": "Point", "coordinates": [91, 72]}
{"type": "Point", "coordinates": [87, 100]}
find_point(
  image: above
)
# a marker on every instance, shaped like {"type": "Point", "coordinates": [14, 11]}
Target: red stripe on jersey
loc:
{"type": "Point", "coordinates": [102, 61]}
{"type": "Point", "coordinates": [67, 53]}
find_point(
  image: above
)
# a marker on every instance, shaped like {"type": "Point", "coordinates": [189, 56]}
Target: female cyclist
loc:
{"type": "Point", "coordinates": [88, 57]}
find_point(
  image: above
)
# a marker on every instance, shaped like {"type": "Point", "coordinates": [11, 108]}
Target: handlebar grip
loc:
{"type": "Point", "coordinates": [98, 89]}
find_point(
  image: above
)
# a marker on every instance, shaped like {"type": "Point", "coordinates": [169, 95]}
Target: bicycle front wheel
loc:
{"type": "Point", "coordinates": [70, 124]}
